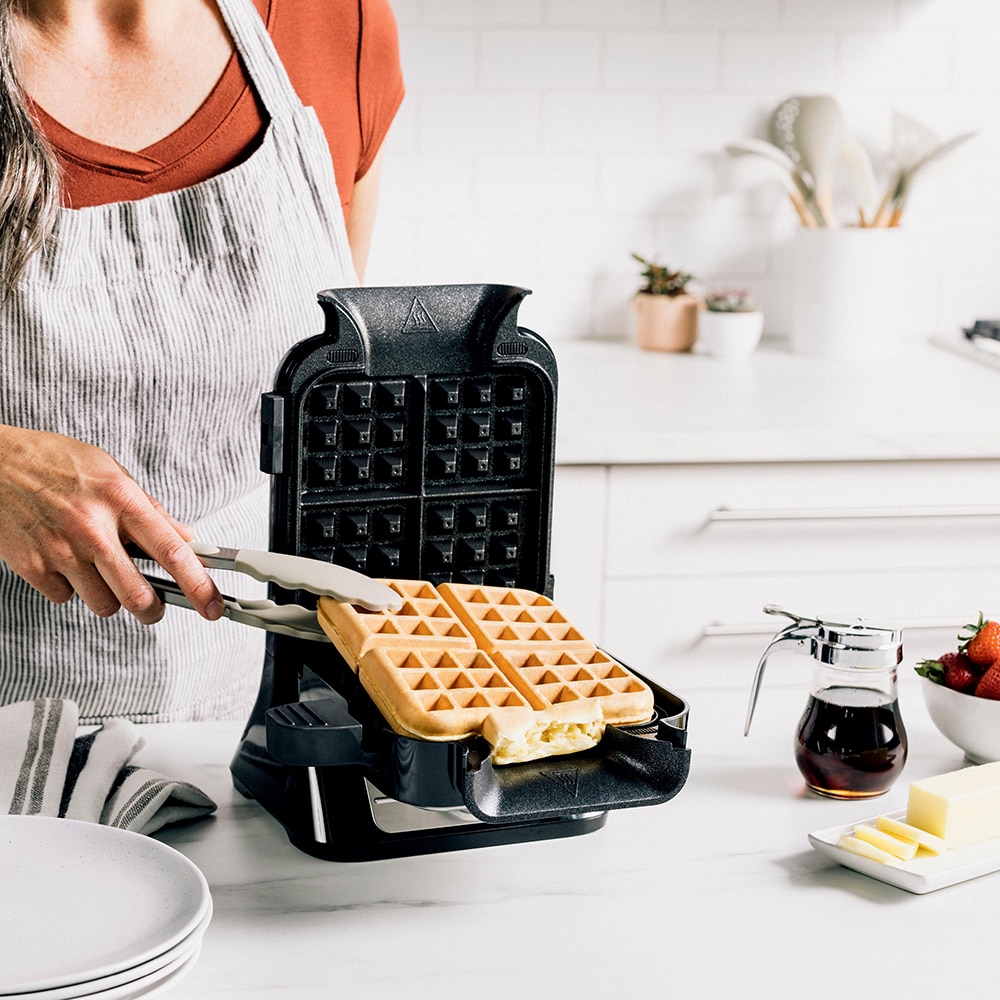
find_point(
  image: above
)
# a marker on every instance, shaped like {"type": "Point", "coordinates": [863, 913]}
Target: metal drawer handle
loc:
{"type": "Point", "coordinates": [765, 628]}
{"type": "Point", "coordinates": [847, 513]}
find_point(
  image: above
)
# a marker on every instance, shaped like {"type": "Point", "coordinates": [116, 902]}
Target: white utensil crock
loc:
{"type": "Point", "coordinates": [849, 293]}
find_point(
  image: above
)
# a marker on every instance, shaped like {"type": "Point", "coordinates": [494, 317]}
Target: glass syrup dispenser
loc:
{"type": "Point", "coordinates": [850, 742]}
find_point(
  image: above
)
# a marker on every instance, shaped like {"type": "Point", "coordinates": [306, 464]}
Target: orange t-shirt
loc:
{"type": "Point", "coordinates": [342, 57]}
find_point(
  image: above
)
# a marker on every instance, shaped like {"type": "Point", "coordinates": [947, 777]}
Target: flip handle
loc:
{"type": "Point", "coordinates": [801, 631]}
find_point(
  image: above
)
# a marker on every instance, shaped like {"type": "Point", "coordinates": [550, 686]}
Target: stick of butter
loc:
{"type": "Point", "coordinates": [961, 807]}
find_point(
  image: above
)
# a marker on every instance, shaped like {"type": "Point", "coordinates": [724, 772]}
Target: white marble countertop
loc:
{"type": "Point", "coordinates": [716, 893]}
{"type": "Point", "coordinates": [620, 404]}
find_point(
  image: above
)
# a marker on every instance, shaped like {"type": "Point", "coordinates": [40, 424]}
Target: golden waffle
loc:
{"type": "Point", "coordinates": [503, 663]}
{"type": "Point", "coordinates": [423, 620]}
{"type": "Point", "coordinates": [505, 618]}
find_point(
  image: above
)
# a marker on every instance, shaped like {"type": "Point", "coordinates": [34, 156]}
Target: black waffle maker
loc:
{"type": "Point", "coordinates": [414, 439]}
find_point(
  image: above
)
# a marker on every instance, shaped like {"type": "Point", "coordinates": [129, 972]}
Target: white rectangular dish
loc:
{"type": "Point", "coordinates": [924, 873]}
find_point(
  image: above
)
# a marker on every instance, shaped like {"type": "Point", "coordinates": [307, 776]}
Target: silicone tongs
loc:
{"type": "Point", "coordinates": [292, 572]}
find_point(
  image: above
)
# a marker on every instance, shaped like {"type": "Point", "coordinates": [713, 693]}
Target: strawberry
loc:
{"type": "Point", "coordinates": [989, 684]}
{"type": "Point", "coordinates": [983, 645]}
{"type": "Point", "coordinates": [953, 670]}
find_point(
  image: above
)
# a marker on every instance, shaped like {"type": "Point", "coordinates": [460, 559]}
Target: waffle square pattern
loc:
{"type": "Point", "coordinates": [459, 660]}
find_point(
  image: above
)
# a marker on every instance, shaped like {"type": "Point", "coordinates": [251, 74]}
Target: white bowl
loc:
{"type": "Point", "coordinates": [971, 723]}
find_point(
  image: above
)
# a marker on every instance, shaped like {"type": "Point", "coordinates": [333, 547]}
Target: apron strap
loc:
{"type": "Point", "coordinates": [263, 65]}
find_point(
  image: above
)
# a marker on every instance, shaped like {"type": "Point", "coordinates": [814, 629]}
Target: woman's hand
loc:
{"type": "Point", "coordinates": [67, 509]}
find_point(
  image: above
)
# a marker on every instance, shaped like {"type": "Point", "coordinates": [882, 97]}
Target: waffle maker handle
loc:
{"type": "Point", "coordinates": [622, 771]}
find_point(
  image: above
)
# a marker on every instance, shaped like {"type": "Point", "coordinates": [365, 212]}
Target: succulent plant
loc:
{"type": "Point", "coordinates": [730, 300]}
{"type": "Point", "coordinates": [661, 280]}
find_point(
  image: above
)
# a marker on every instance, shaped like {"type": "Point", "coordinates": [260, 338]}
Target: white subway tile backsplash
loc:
{"type": "Point", "coordinates": [541, 142]}
{"type": "Point", "coordinates": [560, 307]}
{"type": "Point", "coordinates": [815, 14]}
{"type": "Point", "coordinates": [407, 12]}
{"type": "Point", "coordinates": [975, 68]}
{"type": "Point", "coordinates": [604, 14]}
{"type": "Point", "coordinates": [540, 59]}
{"type": "Point", "coordinates": [440, 60]}
{"type": "Point", "coordinates": [946, 16]}
{"type": "Point", "coordinates": [422, 186]}
{"type": "Point", "coordinates": [785, 61]}
{"type": "Point", "coordinates": [653, 185]}
{"type": "Point", "coordinates": [663, 60]}
{"type": "Point", "coordinates": [599, 122]}
{"type": "Point", "coordinates": [951, 245]}
{"type": "Point", "coordinates": [886, 62]}
{"type": "Point", "coordinates": [539, 183]}
{"type": "Point", "coordinates": [588, 242]}
{"type": "Point", "coordinates": [471, 248]}
{"type": "Point", "coordinates": [510, 13]}
{"type": "Point", "coordinates": [478, 122]}
{"type": "Point", "coordinates": [727, 14]}
{"type": "Point", "coordinates": [716, 244]}
{"type": "Point", "coordinates": [697, 122]}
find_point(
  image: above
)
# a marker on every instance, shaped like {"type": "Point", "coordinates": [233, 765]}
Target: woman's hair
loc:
{"type": "Point", "coordinates": [29, 176]}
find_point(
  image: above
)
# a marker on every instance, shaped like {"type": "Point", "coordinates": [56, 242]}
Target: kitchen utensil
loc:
{"type": "Point", "coordinates": [285, 619]}
{"type": "Point", "coordinates": [860, 177]}
{"type": "Point", "coordinates": [851, 742]}
{"type": "Point", "coordinates": [291, 573]}
{"type": "Point", "coordinates": [298, 573]}
{"type": "Point", "coordinates": [812, 131]}
{"type": "Point", "coordinates": [779, 166]}
{"type": "Point", "coordinates": [414, 440]}
{"type": "Point", "coordinates": [914, 146]}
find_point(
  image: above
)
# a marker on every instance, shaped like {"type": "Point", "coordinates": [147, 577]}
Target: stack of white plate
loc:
{"type": "Point", "coordinates": [92, 911]}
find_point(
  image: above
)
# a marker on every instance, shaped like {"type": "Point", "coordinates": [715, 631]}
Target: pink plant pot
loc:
{"type": "Point", "coordinates": [666, 322]}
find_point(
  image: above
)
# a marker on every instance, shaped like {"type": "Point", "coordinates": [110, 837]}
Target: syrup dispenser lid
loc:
{"type": "Point", "coordinates": [859, 644]}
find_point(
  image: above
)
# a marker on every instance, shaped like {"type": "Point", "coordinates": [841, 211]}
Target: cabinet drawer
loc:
{"type": "Point", "coordinates": [802, 517]}
{"type": "Point", "coordinates": [708, 630]}
{"type": "Point", "coordinates": [578, 544]}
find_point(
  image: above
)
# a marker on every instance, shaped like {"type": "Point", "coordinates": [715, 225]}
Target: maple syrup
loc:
{"type": "Point", "coordinates": [851, 742]}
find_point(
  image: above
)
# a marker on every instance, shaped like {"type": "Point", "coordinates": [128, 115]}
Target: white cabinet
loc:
{"type": "Point", "coordinates": [668, 566]}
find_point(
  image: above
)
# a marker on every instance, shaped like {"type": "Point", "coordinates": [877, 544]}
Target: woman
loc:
{"type": "Point", "coordinates": [144, 315]}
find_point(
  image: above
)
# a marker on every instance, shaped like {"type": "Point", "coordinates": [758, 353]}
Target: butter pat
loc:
{"type": "Point", "coordinates": [866, 850]}
{"type": "Point", "coordinates": [961, 807]}
{"type": "Point", "coordinates": [906, 832]}
{"type": "Point", "coordinates": [902, 849]}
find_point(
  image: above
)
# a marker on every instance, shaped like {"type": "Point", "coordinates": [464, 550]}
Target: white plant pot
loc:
{"type": "Point", "coordinates": [729, 335]}
{"type": "Point", "coordinates": [849, 295]}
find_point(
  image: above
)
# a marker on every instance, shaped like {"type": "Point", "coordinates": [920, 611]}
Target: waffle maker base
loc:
{"type": "Point", "coordinates": [414, 438]}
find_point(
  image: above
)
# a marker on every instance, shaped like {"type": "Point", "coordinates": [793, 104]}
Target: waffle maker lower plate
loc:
{"type": "Point", "coordinates": [414, 439]}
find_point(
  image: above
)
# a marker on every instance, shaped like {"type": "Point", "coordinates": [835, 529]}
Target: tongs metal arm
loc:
{"type": "Point", "coordinates": [285, 619]}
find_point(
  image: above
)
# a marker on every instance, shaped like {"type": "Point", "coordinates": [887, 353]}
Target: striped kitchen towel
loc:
{"type": "Point", "coordinates": [46, 769]}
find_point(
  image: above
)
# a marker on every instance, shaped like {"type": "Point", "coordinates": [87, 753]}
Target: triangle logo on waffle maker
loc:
{"type": "Point", "coordinates": [419, 320]}
{"type": "Point", "coordinates": [567, 778]}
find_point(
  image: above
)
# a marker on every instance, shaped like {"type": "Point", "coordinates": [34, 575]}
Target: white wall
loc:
{"type": "Point", "coordinates": [542, 141]}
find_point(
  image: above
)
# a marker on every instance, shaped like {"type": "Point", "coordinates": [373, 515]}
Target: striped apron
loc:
{"type": "Point", "coordinates": [150, 330]}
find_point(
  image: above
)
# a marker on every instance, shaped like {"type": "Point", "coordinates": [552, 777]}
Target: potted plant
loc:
{"type": "Point", "coordinates": [730, 325]}
{"type": "Point", "coordinates": [666, 313]}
